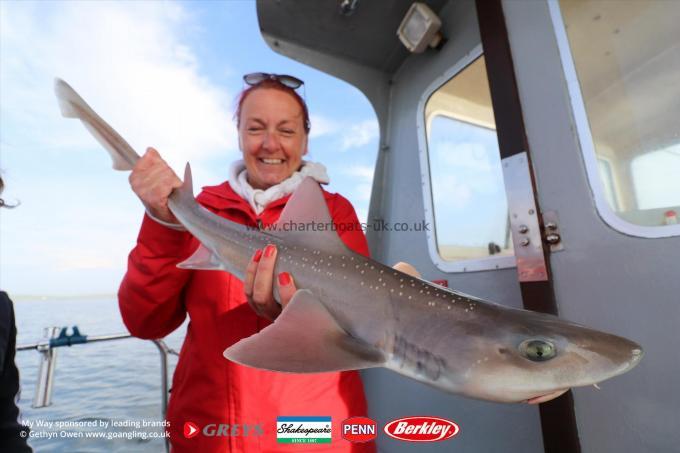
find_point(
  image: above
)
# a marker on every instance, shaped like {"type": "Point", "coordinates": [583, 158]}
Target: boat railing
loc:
{"type": "Point", "coordinates": [57, 337]}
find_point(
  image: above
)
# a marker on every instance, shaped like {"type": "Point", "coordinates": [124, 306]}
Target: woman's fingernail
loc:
{"type": "Point", "coordinates": [284, 278]}
{"type": "Point", "coordinates": [269, 250]}
{"type": "Point", "coordinates": [257, 256]}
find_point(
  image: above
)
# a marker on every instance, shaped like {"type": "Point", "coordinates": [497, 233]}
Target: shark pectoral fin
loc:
{"type": "Point", "coordinates": [305, 338]}
{"type": "Point", "coordinates": [204, 259]}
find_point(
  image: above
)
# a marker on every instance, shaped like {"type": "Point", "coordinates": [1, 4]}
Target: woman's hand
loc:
{"type": "Point", "coordinates": [153, 180]}
{"type": "Point", "coordinates": [258, 284]}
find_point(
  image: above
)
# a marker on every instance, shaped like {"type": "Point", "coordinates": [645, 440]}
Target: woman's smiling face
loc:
{"type": "Point", "coordinates": [272, 136]}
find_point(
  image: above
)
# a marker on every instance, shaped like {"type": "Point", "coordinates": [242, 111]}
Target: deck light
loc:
{"type": "Point", "coordinates": [420, 28]}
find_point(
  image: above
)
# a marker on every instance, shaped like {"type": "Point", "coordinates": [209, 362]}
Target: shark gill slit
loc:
{"type": "Point", "coordinates": [421, 361]}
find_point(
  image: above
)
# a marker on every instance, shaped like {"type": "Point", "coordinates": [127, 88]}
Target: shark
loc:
{"type": "Point", "coordinates": [351, 312]}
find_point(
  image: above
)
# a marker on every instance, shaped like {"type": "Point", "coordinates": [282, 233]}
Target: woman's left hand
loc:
{"type": "Point", "coordinates": [259, 281]}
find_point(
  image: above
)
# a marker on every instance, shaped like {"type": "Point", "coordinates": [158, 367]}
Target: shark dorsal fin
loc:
{"type": "Point", "coordinates": [306, 221]}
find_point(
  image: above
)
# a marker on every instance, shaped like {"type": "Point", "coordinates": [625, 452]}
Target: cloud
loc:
{"type": "Point", "coordinates": [357, 135]}
{"type": "Point", "coordinates": [134, 63]}
{"type": "Point", "coordinates": [322, 125]}
{"type": "Point", "coordinates": [128, 60]}
{"type": "Point", "coordinates": [345, 135]}
{"type": "Point", "coordinates": [364, 172]}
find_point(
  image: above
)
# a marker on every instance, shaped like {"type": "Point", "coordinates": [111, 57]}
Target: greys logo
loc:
{"type": "Point", "coordinates": [233, 430]}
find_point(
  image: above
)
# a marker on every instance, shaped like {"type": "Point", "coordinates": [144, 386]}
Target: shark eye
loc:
{"type": "Point", "coordinates": [537, 350]}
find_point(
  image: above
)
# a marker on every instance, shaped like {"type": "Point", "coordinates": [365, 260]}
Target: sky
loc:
{"type": "Point", "coordinates": [163, 74]}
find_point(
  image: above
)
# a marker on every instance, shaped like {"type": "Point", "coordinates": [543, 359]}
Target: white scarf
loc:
{"type": "Point", "coordinates": [258, 198]}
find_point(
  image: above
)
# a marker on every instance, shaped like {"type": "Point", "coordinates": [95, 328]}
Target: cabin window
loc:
{"type": "Point", "coordinates": [626, 61]}
{"type": "Point", "coordinates": [469, 206]}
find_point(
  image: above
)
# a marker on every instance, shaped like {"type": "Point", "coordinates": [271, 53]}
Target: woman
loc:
{"type": "Point", "coordinates": [155, 296]}
{"type": "Point", "coordinates": [13, 434]}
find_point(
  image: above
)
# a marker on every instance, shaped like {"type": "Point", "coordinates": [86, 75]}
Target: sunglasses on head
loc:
{"type": "Point", "coordinates": [257, 78]}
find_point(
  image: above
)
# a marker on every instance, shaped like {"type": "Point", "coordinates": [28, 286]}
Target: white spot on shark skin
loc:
{"type": "Point", "coordinates": [362, 283]}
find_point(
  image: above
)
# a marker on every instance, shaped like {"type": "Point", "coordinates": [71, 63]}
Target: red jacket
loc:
{"type": "Point", "coordinates": [155, 297]}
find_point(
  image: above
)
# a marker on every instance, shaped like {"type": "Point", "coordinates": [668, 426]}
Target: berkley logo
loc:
{"type": "Point", "coordinates": [359, 429]}
{"type": "Point", "coordinates": [421, 429]}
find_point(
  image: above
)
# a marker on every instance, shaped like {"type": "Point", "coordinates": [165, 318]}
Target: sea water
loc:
{"type": "Point", "coordinates": [106, 395]}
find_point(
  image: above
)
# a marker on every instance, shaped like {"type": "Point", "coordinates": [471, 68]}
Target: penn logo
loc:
{"type": "Point", "coordinates": [421, 429]}
{"type": "Point", "coordinates": [359, 429]}
{"type": "Point", "coordinates": [190, 430]}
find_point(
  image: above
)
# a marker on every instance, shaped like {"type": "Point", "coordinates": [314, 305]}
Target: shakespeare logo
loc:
{"type": "Point", "coordinates": [303, 430]}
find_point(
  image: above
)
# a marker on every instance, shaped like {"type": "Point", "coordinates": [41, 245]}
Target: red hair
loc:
{"type": "Point", "coordinates": [274, 85]}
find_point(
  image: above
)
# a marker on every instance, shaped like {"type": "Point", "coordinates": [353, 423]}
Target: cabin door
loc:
{"type": "Point", "coordinates": [531, 234]}
{"type": "Point", "coordinates": [600, 101]}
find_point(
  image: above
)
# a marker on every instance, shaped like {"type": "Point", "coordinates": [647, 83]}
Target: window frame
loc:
{"type": "Point", "coordinates": [586, 143]}
{"type": "Point", "coordinates": [460, 266]}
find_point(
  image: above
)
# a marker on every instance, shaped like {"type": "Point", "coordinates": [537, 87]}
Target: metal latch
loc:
{"type": "Point", "coordinates": [551, 231]}
{"type": "Point", "coordinates": [524, 224]}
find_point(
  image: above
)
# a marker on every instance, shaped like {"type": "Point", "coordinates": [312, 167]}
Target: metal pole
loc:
{"type": "Point", "coordinates": [164, 350]}
{"type": "Point", "coordinates": [48, 350]}
{"type": "Point", "coordinates": [48, 361]}
{"type": "Point", "coordinates": [92, 339]}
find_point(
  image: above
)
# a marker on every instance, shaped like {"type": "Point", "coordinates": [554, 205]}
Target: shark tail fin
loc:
{"type": "Point", "coordinates": [74, 106]}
